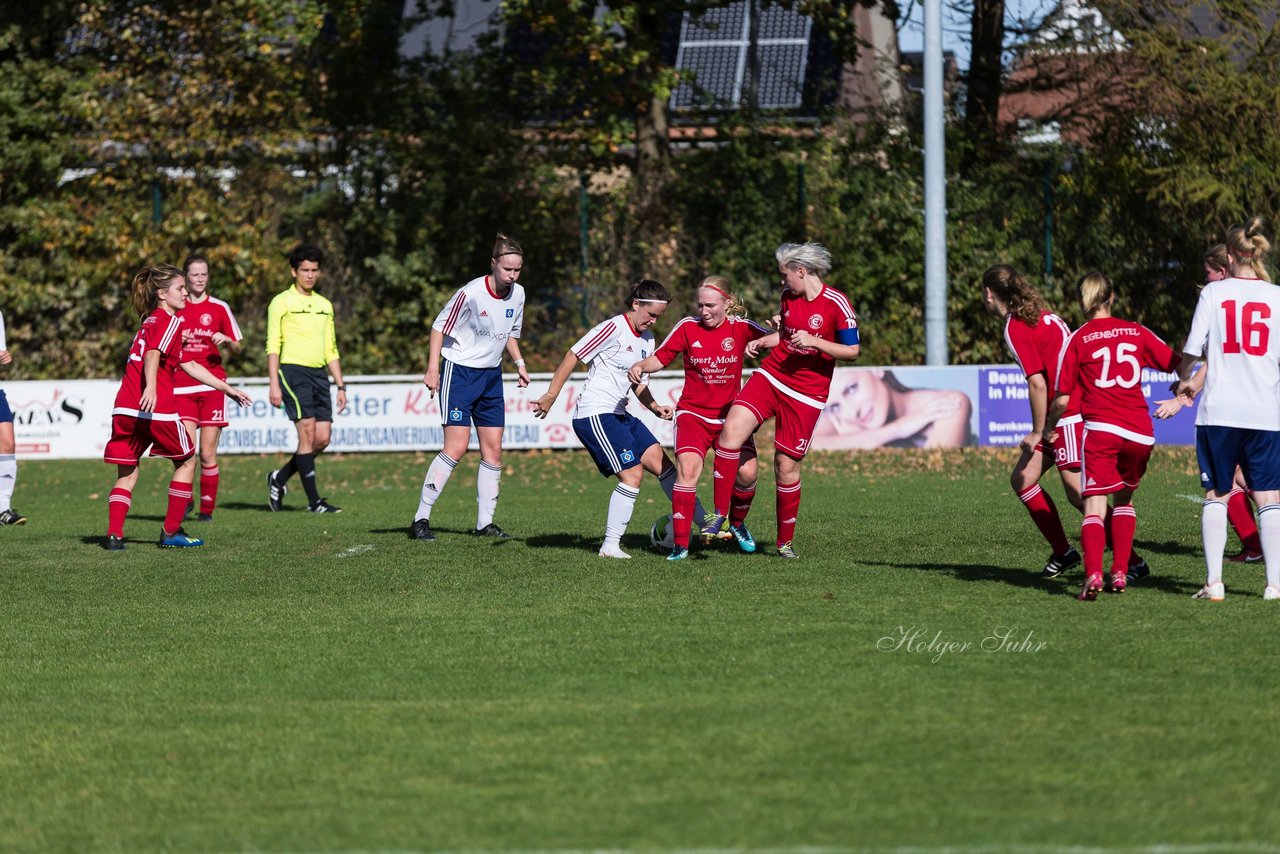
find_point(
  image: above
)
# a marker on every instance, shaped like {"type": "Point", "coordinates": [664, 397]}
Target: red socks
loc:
{"type": "Point", "coordinates": [683, 499]}
{"type": "Point", "coordinates": [208, 489]}
{"type": "Point", "coordinates": [1124, 522]}
{"type": "Point", "coordinates": [1093, 539]}
{"type": "Point", "coordinates": [726, 473]}
{"type": "Point", "coordinates": [179, 498]}
{"type": "Point", "coordinates": [741, 504]}
{"type": "Point", "coordinates": [788, 510]}
{"type": "Point", "coordinates": [1045, 515]}
{"type": "Point", "coordinates": [1240, 514]}
{"type": "Point", "coordinates": [117, 509]}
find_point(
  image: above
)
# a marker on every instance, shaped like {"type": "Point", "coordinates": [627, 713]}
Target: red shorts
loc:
{"type": "Point", "coordinates": [131, 436]}
{"type": "Point", "coordinates": [796, 419]}
{"type": "Point", "coordinates": [1111, 463]}
{"type": "Point", "coordinates": [1066, 448]}
{"type": "Point", "coordinates": [206, 408]}
{"type": "Point", "coordinates": [695, 434]}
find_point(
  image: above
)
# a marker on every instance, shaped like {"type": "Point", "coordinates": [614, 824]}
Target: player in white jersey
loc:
{"type": "Point", "coordinates": [1236, 329]}
{"type": "Point", "coordinates": [479, 323]}
{"type": "Point", "coordinates": [621, 445]}
{"type": "Point", "coordinates": [8, 446]}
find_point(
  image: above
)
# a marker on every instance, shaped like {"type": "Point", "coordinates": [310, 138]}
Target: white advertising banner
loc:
{"type": "Point", "coordinates": [71, 419]}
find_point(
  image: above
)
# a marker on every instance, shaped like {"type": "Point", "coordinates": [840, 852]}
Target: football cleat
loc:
{"type": "Point", "coordinates": [1059, 564]}
{"type": "Point", "coordinates": [785, 551]}
{"type": "Point", "coordinates": [178, 540]}
{"type": "Point", "coordinates": [713, 526]}
{"type": "Point", "coordinates": [1139, 569]}
{"type": "Point", "coordinates": [12, 517]}
{"type": "Point", "coordinates": [1118, 582]}
{"type": "Point", "coordinates": [491, 530]}
{"type": "Point", "coordinates": [1092, 586]}
{"type": "Point", "coordinates": [323, 506]}
{"type": "Point", "coordinates": [275, 491]}
{"type": "Point", "coordinates": [1212, 592]}
{"type": "Point", "coordinates": [614, 551]}
{"type": "Point", "coordinates": [1244, 556]}
{"type": "Point", "coordinates": [678, 553]}
{"type": "Point", "coordinates": [114, 543]}
{"type": "Point", "coordinates": [746, 542]}
{"type": "Point", "coordinates": [204, 517]}
{"type": "Point", "coordinates": [1271, 594]}
{"type": "Point", "coordinates": [421, 530]}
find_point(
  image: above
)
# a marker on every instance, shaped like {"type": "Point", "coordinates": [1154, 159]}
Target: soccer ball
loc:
{"type": "Point", "coordinates": [663, 534]}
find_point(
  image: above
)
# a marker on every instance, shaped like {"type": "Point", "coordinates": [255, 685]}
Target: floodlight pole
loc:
{"type": "Point", "coordinates": [935, 192]}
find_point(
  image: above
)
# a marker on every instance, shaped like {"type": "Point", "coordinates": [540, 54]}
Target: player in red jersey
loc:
{"type": "Point", "coordinates": [146, 414]}
{"type": "Point", "coordinates": [1101, 375]}
{"type": "Point", "coordinates": [1036, 337]}
{"type": "Point", "coordinates": [816, 328]}
{"type": "Point", "coordinates": [713, 345]}
{"type": "Point", "coordinates": [207, 325]}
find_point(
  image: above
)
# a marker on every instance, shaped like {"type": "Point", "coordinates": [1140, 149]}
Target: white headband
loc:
{"type": "Point", "coordinates": [664, 302]}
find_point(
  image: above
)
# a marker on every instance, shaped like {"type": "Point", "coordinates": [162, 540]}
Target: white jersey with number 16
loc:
{"type": "Point", "coordinates": [1236, 328]}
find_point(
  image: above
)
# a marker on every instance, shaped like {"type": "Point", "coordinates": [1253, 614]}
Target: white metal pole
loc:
{"type": "Point", "coordinates": [935, 192]}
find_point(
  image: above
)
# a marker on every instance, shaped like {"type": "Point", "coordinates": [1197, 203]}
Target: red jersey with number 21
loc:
{"type": "Point", "coordinates": [807, 370]}
{"type": "Point", "coordinates": [1102, 367]}
{"type": "Point", "coordinates": [1038, 349]}
{"type": "Point", "coordinates": [200, 320]}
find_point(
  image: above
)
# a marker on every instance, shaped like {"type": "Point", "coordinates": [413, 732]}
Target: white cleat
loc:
{"type": "Point", "coordinates": [1271, 593]}
{"type": "Point", "coordinates": [1212, 592]}
{"type": "Point", "coordinates": [614, 551]}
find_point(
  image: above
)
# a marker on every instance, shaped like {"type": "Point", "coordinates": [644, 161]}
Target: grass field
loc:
{"type": "Point", "coordinates": [318, 683]}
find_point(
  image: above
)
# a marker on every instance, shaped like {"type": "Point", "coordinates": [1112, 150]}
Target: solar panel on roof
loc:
{"type": "Point", "coordinates": [714, 57]}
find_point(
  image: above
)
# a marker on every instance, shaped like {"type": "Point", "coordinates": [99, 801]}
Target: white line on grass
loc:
{"type": "Point", "coordinates": [1198, 499]}
{"type": "Point", "coordinates": [1166, 848]}
{"type": "Point", "coordinates": [356, 550]}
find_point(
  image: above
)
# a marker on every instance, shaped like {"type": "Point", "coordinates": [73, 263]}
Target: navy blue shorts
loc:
{"type": "Point", "coordinates": [471, 396]}
{"type": "Point", "coordinates": [1220, 449]}
{"type": "Point", "coordinates": [6, 414]}
{"type": "Point", "coordinates": [615, 442]}
{"type": "Point", "coordinates": [306, 393]}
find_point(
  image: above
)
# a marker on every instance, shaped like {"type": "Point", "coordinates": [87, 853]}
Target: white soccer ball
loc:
{"type": "Point", "coordinates": [663, 534]}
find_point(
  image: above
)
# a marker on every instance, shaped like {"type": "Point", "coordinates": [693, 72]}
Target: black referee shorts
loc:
{"type": "Point", "coordinates": [306, 393]}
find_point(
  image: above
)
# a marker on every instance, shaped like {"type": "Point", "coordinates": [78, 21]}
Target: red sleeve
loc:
{"type": "Point", "coordinates": [1160, 354]}
{"type": "Point", "coordinates": [675, 344]}
{"type": "Point", "coordinates": [1068, 371]}
{"type": "Point", "coordinates": [1022, 342]}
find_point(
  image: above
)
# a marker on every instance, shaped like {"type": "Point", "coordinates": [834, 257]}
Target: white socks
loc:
{"type": "Point", "coordinates": [1269, 529]}
{"type": "Point", "coordinates": [486, 493]}
{"type": "Point", "coordinates": [621, 505]}
{"type": "Point", "coordinates": [8, 478]}
{"type": "Point", "coordinates": [1213, 531]}
{"type": "Point", "coordinates": [437, 476]}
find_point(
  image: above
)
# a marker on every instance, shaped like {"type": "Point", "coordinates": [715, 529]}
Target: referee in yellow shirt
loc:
{"type": "Point", "coordinates": [301, 343]}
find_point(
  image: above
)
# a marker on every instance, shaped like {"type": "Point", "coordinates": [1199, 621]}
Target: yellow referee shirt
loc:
{"type": "Point", "coordinates": [300, 329]}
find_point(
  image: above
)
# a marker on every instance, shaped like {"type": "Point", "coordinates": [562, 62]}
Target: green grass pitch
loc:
{"type": "Point", "coordinates": [321, 683]}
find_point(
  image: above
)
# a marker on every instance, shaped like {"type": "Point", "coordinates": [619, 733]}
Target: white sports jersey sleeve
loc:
{"type": "Point", "coordinates": [3, 346]}
{"type": "Point", "coordinates": [1236, 328]}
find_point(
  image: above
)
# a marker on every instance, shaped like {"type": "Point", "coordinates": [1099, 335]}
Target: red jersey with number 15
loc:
{"type": "Point", "coordinates": [712, 362]}
{"type": "Point", "coordinates": [1102, 368]}
{"type": "Point", "coordinates": [160, 331]}
{"type": "Point", "coordinates": [807, 370]}
{"type": "Point", "coordinates": [200, 320]}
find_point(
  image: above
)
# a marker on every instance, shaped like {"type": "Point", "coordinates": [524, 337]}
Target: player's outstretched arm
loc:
{"type": "Point", "coordinates": [201, 374]}
{"type": "Point", "coordinates": [645, 366]}
{"type": "Point", "coordinates": [543, 405]}
{"type": "Point", "coordinates": [644, 394]}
